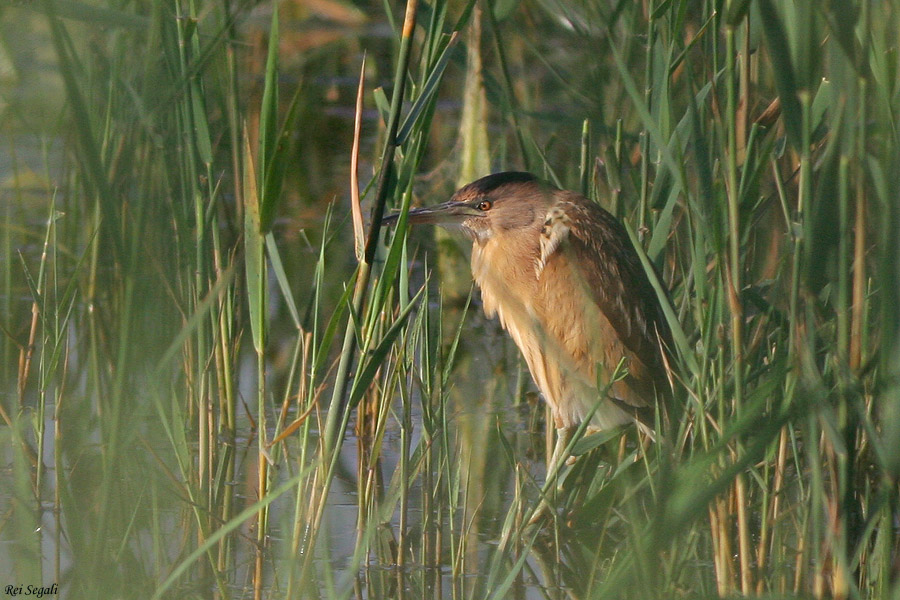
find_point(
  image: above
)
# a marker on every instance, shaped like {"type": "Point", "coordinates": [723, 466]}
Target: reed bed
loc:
{"type": "Point", "coordinates": [222, 378]}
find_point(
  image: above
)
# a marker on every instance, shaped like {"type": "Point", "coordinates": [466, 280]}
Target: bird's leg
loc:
{"type": "Point", "coordinates": [563, 436]}
{"type": "Point", "coordinates": [557, 459]}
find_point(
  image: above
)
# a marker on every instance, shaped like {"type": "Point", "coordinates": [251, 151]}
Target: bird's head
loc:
{"type": "Point", "coordinates": [496, 204]}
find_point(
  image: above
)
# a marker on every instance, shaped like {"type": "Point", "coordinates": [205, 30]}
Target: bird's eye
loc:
{"type": "Point", "coordinates": [485, 205]}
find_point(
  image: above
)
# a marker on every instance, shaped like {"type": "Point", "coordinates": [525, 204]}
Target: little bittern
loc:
{"type": "Point", "coordinates": [561, 274]}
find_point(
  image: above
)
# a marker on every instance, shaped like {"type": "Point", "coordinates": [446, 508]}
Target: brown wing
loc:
{"type": "Point", "coordinates": [611, 272]}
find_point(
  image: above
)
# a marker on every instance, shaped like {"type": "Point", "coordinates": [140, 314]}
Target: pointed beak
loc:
{"type": "Point", "coordinates": [448, 214]}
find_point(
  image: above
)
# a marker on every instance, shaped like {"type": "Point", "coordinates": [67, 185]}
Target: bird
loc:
{"type": "Point", "coordinates": [561, 275]}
